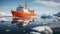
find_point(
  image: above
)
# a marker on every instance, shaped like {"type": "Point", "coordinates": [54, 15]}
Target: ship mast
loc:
{"type": "Point", "coordinates": [26, 4]}
{"type": "Point", "coordinates": [19, 3]}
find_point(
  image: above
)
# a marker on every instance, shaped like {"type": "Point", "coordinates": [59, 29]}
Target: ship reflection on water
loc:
{"type": "Point", "coordinates": [15, 27]}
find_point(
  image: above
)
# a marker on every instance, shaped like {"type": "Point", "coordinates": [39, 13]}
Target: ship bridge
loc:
{"type": "Point", "coordinates": [19, 8]}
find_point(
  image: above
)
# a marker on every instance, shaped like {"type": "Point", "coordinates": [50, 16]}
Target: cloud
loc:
{"type": "Point", "coordinates": [48, 3]}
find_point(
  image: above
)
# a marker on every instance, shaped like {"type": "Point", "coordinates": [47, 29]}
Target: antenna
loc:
{"type": "Point", "coordinates": [26, 4]}
{"type": "Point", "coordinates": [19, 3]}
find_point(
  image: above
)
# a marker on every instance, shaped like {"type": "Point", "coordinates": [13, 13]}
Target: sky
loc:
{"type": "Point", "coordinates": [39, 6]}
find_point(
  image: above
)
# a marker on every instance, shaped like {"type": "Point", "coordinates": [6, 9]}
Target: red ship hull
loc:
{"type": "Point", "coordinates": [22, 16]}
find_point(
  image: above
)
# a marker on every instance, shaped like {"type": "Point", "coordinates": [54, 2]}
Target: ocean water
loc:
{"type": "Point", "coordinates": [8, 27]}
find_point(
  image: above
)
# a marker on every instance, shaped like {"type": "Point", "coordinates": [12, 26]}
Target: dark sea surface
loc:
{"type": "Point", "coordinates": [8, 27]}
